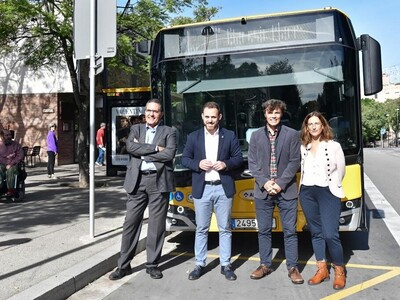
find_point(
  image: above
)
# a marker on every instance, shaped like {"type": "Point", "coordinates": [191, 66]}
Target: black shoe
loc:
{"type": "Point", "coordinates": [120, 273]}
{"type": "Point", "coordinates": [154, 272]}
{"type": "Point", "coordinates": [228, 272]}
{"type": "Point", "coordinates": [196, 273]}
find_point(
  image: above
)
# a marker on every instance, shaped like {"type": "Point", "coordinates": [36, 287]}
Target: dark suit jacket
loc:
{"type": "Point", "coordinates": [287, 156]}
{"type": "Point", "coordinates": [228, 151]}
{"type": "Point", "coordinates": [166, 137]}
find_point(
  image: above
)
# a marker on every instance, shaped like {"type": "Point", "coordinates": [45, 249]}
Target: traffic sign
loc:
{"type": "Point", "coordinates": [383, 131]}
{"type": "Point", "coordinates": [106, 28]}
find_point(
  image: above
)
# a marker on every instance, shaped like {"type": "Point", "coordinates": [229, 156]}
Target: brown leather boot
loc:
{"type": "Point", "coordinates": [340, 277]}
{"type": "Point", "coordinates": [321, 275]}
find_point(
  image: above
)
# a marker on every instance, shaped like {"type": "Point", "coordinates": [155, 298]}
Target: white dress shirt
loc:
{"type": "Point", "coordinates": [150, 133]}
{"type": "Point", "coordinates": [211, 144]}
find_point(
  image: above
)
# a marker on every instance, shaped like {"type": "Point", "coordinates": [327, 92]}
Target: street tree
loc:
{"type": "Point", "coordinates": [373, 115]}
{"type": "Point", "coordinates": [392, 116]}
{"type": "Point", "coordinates": [41, 32]}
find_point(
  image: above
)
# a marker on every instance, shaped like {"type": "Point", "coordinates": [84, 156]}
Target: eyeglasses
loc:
{"type": "Point", "coordinates": [316, 124]}
{"type": "Point", "coordinates": [152, 111]}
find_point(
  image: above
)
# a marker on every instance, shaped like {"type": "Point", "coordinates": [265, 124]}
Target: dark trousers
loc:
{"type": "Point", "coordinates": [146, 194]}
{"type": "Point", "coordinates": [322, 211]}
{"type": "Point", "coordinates": [50, 162]}
{"type": "Point", "coordinates": [288, 215]}
{"type": "Point", "coordinates": [10, 175]}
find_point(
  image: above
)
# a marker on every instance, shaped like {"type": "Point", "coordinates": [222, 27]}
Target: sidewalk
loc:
{"type": "Point", "coordinates": [45, 248]}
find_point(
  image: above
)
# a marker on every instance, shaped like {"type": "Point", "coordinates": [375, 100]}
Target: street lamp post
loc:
{"type": "Point", "coordinates": [397, 126]}
{"type": "Point", "coordinates": [388, 129]}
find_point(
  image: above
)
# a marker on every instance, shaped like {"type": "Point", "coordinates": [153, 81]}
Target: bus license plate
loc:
{"type": "Point", "coordinates": [248, 223]}
{"type": "Point", "coordinates": [244, 224]}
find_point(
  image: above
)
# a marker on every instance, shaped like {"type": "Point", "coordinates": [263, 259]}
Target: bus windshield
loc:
{"type": "Point", "coordinates": [308, 59]}
{"type": "Point", "coordinates": [306, 79]}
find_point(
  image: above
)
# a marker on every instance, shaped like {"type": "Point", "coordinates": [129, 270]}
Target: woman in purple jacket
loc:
{"type": "Point", "coordinates": [52, 149]}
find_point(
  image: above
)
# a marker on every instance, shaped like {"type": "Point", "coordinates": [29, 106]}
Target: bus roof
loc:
{"type": "Point", "coordinates": [253, 17]}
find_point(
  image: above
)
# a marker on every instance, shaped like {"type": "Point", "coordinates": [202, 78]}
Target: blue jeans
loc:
{"type": "Point", "coordinates": [100, 158]}
{"type": "Point", "coordinates": [288, 214]}
{"type": "Point", "coordinates": [322, 211]}
{"type": "Point", "coordinates": [213, 199]}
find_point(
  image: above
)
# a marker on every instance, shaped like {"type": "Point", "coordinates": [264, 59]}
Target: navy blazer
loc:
{"type": "Point", "coordinates": [228, 151]}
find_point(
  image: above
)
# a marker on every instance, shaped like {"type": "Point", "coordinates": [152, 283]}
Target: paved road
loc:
{"type": "Point", "coordinates": [48, 233]}
{"type": "Point", "coordinates": [373, 260]}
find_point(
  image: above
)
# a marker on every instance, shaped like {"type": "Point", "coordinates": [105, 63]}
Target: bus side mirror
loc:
{"type": "Point", "coordinates": [143, 48]}
{"type": "Point", "coordinates": [372, 65]}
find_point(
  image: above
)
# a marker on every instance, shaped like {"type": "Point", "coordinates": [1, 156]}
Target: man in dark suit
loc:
{"type": "Point", "coordinates": [148, 182]}
{"type": "Point", "coordinates": [274, 159]}
{"type": "Point", "coordinates": [212, 152]}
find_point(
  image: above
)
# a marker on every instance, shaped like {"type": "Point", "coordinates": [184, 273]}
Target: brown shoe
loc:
{"type": "Point", "coordinates": [295, 276]}
{"type": "Point", "coordinates": [340, 277]}
{"type": "Point", "coordinates": [261, 271]}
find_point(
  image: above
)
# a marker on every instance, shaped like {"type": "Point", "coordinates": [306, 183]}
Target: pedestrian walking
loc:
{"type": "Point", "coordinates": [52, 150]}
{"type": "Point", "coordinates": [101, 144]}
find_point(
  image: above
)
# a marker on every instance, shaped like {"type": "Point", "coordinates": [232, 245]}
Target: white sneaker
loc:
{"type": "Point", "coordinates": [53, 176]}
{"type": "Point", "coordinates": [99, 164]}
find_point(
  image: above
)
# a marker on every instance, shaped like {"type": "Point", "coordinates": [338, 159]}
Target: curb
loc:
{"type": "Point", "coordinates": [69, 281]}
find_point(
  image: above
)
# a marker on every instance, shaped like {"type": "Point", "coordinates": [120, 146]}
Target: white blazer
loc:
{"type": "Point", "coordinates": [335, 166]}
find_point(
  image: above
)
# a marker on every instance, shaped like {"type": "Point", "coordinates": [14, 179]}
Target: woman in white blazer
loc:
{"type": "Point", "coordinates": [320, 191]}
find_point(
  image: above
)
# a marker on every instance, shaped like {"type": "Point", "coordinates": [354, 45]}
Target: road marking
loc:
{"type": "Point", "coordinates": [392, 271]}
{"type": "Point", "coordinates": [386, 211]}
{"type": "Point", "coordinates": [363, 285]}
{"type": "Point", "coordinates": [392, 221]}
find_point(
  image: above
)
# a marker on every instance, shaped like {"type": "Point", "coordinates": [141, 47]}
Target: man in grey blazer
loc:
{"type": "Point", "coordinates": [149, 180]}
{"type": "Point", "coordinates": [274, 159]}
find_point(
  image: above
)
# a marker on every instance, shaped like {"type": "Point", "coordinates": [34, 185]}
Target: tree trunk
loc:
{"type": "Point", "coordinates": [83, 130]}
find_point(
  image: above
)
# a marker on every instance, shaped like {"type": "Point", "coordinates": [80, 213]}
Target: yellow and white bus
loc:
{"type": "Point", "coordinates": [309, 59]}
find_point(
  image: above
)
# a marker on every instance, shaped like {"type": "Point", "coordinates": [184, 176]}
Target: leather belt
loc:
{"type": "Point", "coordinates": [148, 172]}
{"type": "Point", "coordinates": [213, 182]}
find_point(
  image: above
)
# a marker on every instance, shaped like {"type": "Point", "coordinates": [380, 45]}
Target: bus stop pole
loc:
{"type": "Point", "coordinates": [91, 112]}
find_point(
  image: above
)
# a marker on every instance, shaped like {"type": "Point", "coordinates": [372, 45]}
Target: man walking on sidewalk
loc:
{"type": "Point", "coordinates": [149, 180]}
{"type": "Point", "coordinates": [101, 144]}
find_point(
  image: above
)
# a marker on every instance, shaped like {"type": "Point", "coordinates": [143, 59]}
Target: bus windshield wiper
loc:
{"type": "Point", "coordinates": [316, 70]}
{"type": "Point", "coordinates": [190, 86]}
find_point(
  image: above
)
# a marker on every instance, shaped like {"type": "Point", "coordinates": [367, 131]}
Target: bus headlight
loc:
{"type": "Point", "coordinates": [350, 204]}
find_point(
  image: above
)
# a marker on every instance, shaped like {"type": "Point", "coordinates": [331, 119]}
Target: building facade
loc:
{"type": "Point", "coordinates": [31, 100]}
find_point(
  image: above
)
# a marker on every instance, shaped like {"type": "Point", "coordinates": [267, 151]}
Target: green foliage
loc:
{"type": "Point", "coordinates": [142, 21]}
{"type": "Point", "coordinates": [201, 13]}
{"type": "Point", "coordinates": [377, 115]}
{"type": "Point", "coordinates": [41, 34]}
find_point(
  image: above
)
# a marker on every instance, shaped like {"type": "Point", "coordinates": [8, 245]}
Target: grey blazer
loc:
{"type": "Point", "coordinates": [163, 160]}
{"type": "Point", "coordinates": [288, 161]}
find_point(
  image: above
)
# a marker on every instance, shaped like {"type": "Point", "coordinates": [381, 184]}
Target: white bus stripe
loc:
{"type": "Point", "coordinates": [389, 215]}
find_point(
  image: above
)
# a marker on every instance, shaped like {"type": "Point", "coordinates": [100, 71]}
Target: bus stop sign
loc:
{"type": "Point", "coordinates": [106, 28]}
